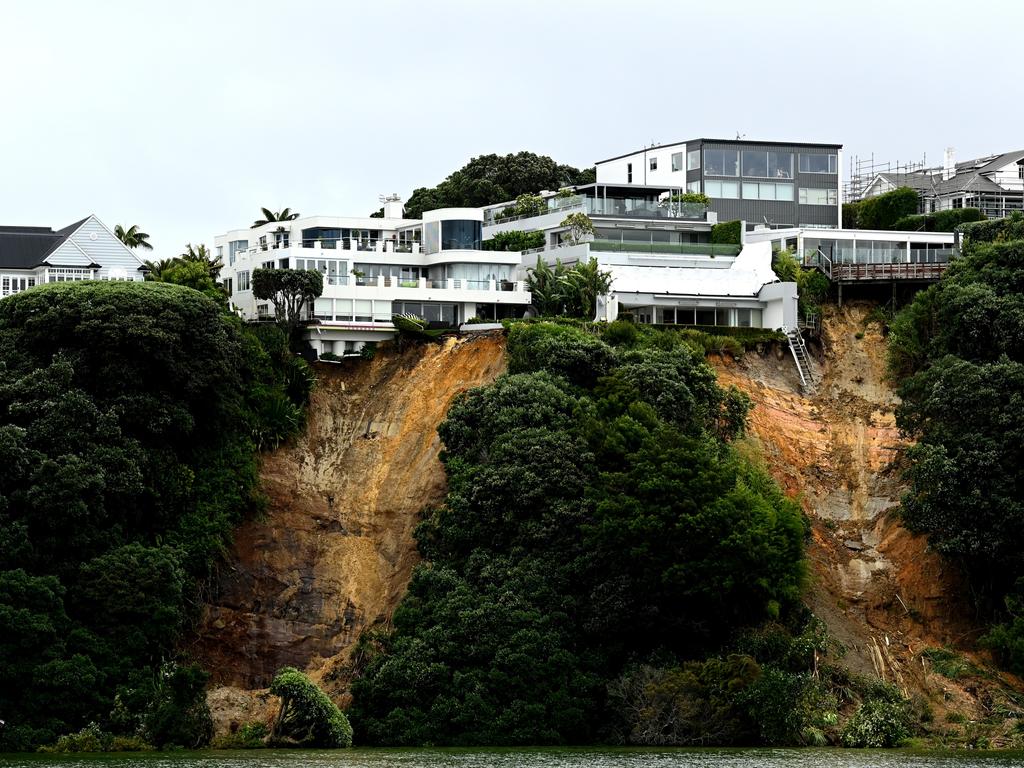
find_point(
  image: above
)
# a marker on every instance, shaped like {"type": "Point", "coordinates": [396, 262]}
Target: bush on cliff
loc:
{"type": "Point", "coordinates": [596, 514]}
{"type": "Point", "coordinates": [307, 718]}
{"type": "Point", "coordinates": [127, 418]}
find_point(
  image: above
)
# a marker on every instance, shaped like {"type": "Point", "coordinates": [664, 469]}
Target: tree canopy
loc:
{"type": "Point", "coordinates": [958, 353]}
{"type": "Point", "coordinates": [490, 179]}
{"type": "Point", "coordinates": [128, 414]}
{"type": "Point", "coordinates": [596, 514]}
{"type": "Point", "coordinates": [291, 291]}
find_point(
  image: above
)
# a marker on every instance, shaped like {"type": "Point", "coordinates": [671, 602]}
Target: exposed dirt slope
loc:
{"type": "Point", "coordinates": [883, 594]}
{"type": "Point", "coordinates": [334, 552]}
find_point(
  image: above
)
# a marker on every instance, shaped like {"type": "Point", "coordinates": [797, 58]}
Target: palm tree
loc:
{"type": "Point", "coordinates": [269, 216]}
{"type": "Point", "coordinates": [132, 237]}
{"type": "Point", "coordinates": [157, 268]}
{"type": "Point", "coordinates": [201, 255]}
{"type": "Point", "coordinates": [581, 286]}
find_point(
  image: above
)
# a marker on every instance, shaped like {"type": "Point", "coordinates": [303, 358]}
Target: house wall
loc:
{"type": "Point", "coordinates": [615, 171]}
{"type": "Point", "coordinates": [94, 243]}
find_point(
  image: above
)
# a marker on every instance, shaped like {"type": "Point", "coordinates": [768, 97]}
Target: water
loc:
{"type": "Point", "coordinates": [529, 758]}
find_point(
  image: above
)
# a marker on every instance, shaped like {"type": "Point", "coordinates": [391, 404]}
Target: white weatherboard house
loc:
{"type": "Point", "coordinates": [373, 268]}
{"type": "Point", "coordinates": [85, 250]}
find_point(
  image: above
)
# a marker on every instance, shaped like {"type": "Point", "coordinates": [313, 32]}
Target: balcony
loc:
{"type": "Point", "coordinates": [348, 244]}
{"type": "Point", "coordinates": [643, 208]}
{"type": "Point", "coordinates": [667, 249]}
{"type": "Point", "coordinates": [424, 283]}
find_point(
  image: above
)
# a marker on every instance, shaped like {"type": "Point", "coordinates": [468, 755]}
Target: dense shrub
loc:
{"type": "Point", "coordinates": [514, 240]}
{"type": "Point", "coordinates": [596, 514]}
{"type": "Point", "coordinates": [308, 718]}
{"type": "Point", "coordinates": [620, 333]}
{"type": "Point", "coordinates": [939, 221]}
{"type": "Point", "coordinates": [127, 420]}
{"type": "Point", "coordinates": [957, 352]}
{"type": "Point", "coordinates": [878, 723]}
{"type": "Point", "coordinates": [727, 232]}
{"type": "Point", "coordinates": [882, 211]}
{"type": "Point", "coordinates": [561, 350]}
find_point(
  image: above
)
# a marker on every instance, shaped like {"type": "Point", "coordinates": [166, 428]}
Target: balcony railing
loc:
{"type": "Point", "coordinates": [424, 283]}
{"type": "Point", "coordinates": [554, 205]}
{"type": "Point", "coordinates": [668, 249]}
{"type": "Point", "coordinates": [638, 208]}
{"type": "Point", "coordinates": [379, 245]}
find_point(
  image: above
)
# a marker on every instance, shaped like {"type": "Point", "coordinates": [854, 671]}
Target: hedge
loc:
{"type": "Point", "coordinates": [726, 232]}
{"type": "Point", "coordinates": [940, 221]}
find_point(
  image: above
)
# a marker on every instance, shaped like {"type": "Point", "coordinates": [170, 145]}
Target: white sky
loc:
{"type": "Point", "coordinates": [185, 117]}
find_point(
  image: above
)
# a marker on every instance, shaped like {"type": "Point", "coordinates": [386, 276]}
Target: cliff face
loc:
{"type": "Point", "coordinates": [883, 594]}
{"type": "Point", "coordinates": [334, 551]}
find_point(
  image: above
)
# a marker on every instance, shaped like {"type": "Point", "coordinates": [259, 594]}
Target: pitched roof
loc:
{"type": "Point", "coordinates": [28, 247]}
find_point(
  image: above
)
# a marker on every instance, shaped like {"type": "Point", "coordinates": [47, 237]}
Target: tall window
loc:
{"type": "Point", "coordinates": [721, 162]}
{"type": "Point", "coordinates": [817, 196]}
{"type": "Point", "coordinates": [654, 164]}
{"type": "Point", "coordinates": [694, 186]}
{"type": "Point", "coordinates": [818, 163]}
{"type": "Point", "coordinates": [235, 247]}
{"type": "Point", "coordinates": [677, 162]}
{"type": "Point", "coordinates": [693, 160]}
{"type": "Point", "coordinates": [629, 173]}
{"type": "Point", "coordinates": [243, 281]}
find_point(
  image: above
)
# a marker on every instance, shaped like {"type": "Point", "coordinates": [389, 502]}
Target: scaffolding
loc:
{"type": "Point", "coordinates": [864, 171]}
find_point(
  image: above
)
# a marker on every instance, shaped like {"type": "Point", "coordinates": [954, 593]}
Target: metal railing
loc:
{"type": "Point", "coordinates": [451, 283]}
{"type": "Point", "coordinates": [668, 249]}
{"type": "Point", "coordinates": [555, 205]}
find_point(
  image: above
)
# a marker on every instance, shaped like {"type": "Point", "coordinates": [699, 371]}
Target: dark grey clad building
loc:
{"type": "Point", "coordinates": [774, 183]}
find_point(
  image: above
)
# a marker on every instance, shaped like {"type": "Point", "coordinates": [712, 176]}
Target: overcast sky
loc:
{"type": "Point", "coordinates": [186, 117]}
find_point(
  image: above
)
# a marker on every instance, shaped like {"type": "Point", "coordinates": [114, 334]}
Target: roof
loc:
{"type": "Point", "coordinates": [748, 273]}
{"type": "Point", "coordinates": [970, 175]}
{"type": "Point", "coordinates": [28, 247]}
{"type": "Point", "coordinates": [723, 141]}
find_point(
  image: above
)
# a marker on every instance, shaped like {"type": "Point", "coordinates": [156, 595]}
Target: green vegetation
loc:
{"type": "Point", "coordinates": [251, 736]}
{"type": "Point", "coordinates": [291, 291]}
{"type": "Point", "coordinates": [490, 179]}
{"type": "Point", "coordinates": [597, 518]}
{"type": "Point", "coordinates": [514, 240]}
{"type": "Point", "coordinates": [957, 352]}
{"type": "Point", "coordinates": [812, 286]}
{"type": "Point", "coordinates": [691, 197]}
{"type": "Point", "coordinates": [571, 291]}
{"type": "Point", "coordinates": [727, 232]}
{"type": "Point", "coordinates": [133, 237]}
{"type": "Point", "coordinates": [129, 419]}
{"type": "Point", "coordinates": [526, 204]}
{"type": "Point", "coordinates": [881, 211]}
{"type": "Point", "coordinates": [268, 216]}
{"type": "Point", "coordinates": [307, 718]}
{"type": "Point", "coordinates": [578, 228]}
{"type": "Point", "coordinates": [940, 221]}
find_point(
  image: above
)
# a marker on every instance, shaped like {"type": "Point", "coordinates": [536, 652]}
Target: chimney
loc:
{"type": "Point", "coordinates": [948, 164]}
{"type": "Point", "coordinates": [393, 208]}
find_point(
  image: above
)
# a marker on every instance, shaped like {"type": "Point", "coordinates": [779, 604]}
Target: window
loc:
{"type": "Point", "coordinates": [767, 191]}
{"type": "Point", "coordinates": [693, 160]}
{"type": "Point", "coordinates": [235, 247]}
{"type": "Point", "coordinates": [243, 281]}
{"type": "Point", "coordinates": [958, 202]}
{"type": "Point", "coordinates": [461, 235]}
{"type": "Point", "coordinates": [1020, 170]}
{"type": "Point", "coordinates": [817, 196]}
{"type": "Point", "coordinates": [818, 163]}
{"type": "Point", "coordinates": [629, 173]}
{"type": "Point", "coordinates": [677, 162]}
{"type": "Point", "coordinates": [723, 189]}
{"type": "Point", "coordinates": [721, 162]}
{"type": "Point", "coordinates": [67, 274]}
{"type": "Point", "coordinates": [220, 252]}
{"type": "Point", "coordinates": [654, 163]}
{"type": "Point", "coordinates": [768, 165]}
{"type": "Point", "coordinates": [694, 186]}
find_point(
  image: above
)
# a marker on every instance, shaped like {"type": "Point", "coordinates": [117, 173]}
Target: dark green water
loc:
{"type": "Point", "coordinates": [530, 758]}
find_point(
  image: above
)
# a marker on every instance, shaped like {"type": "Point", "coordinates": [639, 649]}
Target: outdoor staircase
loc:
{"type": "Point", "coordinates": [802, 359]}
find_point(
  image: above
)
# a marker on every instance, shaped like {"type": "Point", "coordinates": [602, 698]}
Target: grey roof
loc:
{"type": "Point", "coordinates": [970, 176]}
{"type": "Point", "coordinates": [28, 247]}
{"type": "Point", "coordinates": [670, 144]}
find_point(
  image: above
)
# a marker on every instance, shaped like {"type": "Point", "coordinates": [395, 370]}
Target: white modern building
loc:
{"type": "Point", "coordinates": [85, 250]}
{"type": "Point", "coordinates": [664, 267]}
{"type": "Point", "coordinates": [374, 268]}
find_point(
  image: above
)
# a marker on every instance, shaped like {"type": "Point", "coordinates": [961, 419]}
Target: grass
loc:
{"type": "Point", "coordinates": [949, 663]}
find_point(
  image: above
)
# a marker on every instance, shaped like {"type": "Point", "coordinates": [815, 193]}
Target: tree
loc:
{"type": "Point", "coordinates": [291, 291]}
{"type": "Point", "coordinates": [194, 275]}
{"type": "Point", "coordinates": [581, 287]}
{"type": "Point", "coordinates": [157, 268]}
{"type": "Point", "coordinates": [200, 254]}
{"type": "Point", "coordinates": [490, 179]}
{"type": "Point", "coordinates": [525, 205]}
{"type": "Point", "coordinates": [307, 718]}
{"type": "Point", "coordinates": [578, 227]}
{"type": "Point", "coordinates": [132, 237]}
{"type": "Point", "coordinates": [269, 216]}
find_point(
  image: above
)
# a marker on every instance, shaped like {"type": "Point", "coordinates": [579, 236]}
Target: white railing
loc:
{"type": "Point", "coordinates": [425, 283]}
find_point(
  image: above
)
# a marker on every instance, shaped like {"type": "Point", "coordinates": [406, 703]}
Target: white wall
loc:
{"type": "Point", "coordinates": [615, 171]}
{"type": "Point", "coordinates": [780, 305]}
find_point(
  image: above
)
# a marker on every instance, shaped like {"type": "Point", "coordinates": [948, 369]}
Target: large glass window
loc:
{"type": "Point", "coordinates": [818, 163]}
{"type": "Point", "coordinates": [721, 162]}
{"type": "Point", "coordinates": [693, 160]}
{"type": "Point", "coordinates": [767, 191]}
{"type": "Point", "coordinates": [729, 190]}
{"type": "Point", "coordinates": [461, 235]}
{"type": "Point", "coordinates": [243, 281]}
{"type": "Point", "coordinates": [327, 237]}
{"type": "Point", "coordinates": [810, 196]}
{"type": "Point", "coordinates": [768, 165]}
{"type": "Point", "coordinates": [234, 247]}
{"type": "Point", "coordinates": [677, 162]}
{"type": "Point", "coordinates": [693, 186]}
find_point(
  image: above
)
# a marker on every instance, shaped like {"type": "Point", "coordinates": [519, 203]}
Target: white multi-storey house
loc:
{"type": "Point", "coordinates": [374, 268]}
{"type": "Point", "coordinates": [85, 250]}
